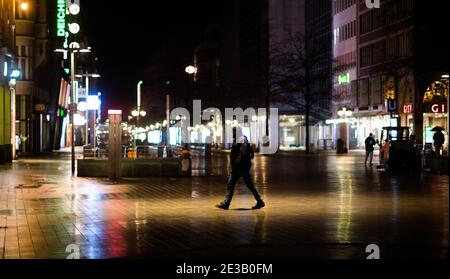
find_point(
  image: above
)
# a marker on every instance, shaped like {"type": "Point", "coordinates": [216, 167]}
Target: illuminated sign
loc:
{"type": "Point", "coordinates": [344, 79]}
{"type": "Point", "coordinates": [82, 106]}
{"type": "Point", "coordinates": [15, 73]}
{"type": "Point", "coordinates": [428, 134]}
{"type": "Point", "coordinates": [114, 111]}
{"type": "Point", "coordinates": [79, 120]}
{"type": "Point", "coordinates": [435, 108]}
{"type": "Point", "coordinates": [61, 18]}
{"type": "Point", "coordinates": [391, 105]}
{"type": "Point", "coordinates": [5, 69]}
{"type": "Point", "coordinates": [93, 102]}
{"type": "Point", "coordinates": [408, 108]}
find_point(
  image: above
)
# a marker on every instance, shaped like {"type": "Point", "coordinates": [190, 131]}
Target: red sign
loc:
{"type": "Point", "coordinates": [435, 108]}
{"type": "Point", "coordinates": [408, 108]}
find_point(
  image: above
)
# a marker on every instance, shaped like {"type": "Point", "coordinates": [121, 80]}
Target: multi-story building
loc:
{"type": "Point", "coordinates": [243, 52]}
{"type": "Point", "coordinates": [32, 89]}
{"type": "Point", "coordinates": [6, 65]}
{"type": "Point", "coordinates": [384, 68]}
{"type": "Point", "coordinates": [254, 31]}
{"type": "Point", "coordinates": [306, 23]}
{"type": "Point", "coordinates": [345, 72]}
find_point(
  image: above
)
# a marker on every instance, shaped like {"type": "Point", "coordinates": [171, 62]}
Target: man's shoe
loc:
{"type": "Point", "coordinates": [259, 204]}
{"type": "Point", "coordinates": [222, 206]}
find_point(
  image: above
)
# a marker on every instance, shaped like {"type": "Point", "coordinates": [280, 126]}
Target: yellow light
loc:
{"type": "Point", "coordinates": [24, 6]}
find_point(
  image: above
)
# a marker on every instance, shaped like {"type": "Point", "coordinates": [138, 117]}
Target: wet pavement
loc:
{"type": "Point", "coordinates": [318, 206]}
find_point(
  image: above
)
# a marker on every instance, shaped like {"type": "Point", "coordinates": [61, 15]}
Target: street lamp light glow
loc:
{"type": "Point", "coordinates": [135, 113]}
{"type": "Point", "coordinates": [191, 70]}
{"type": "Point", "coordinates": [24, 6]}
{"type": "Point", "coordinates": [143, 113]}
{"type": "Point", "coordinates": [74, 28]}
{"type": "Point", "coordinates": [74, 9]}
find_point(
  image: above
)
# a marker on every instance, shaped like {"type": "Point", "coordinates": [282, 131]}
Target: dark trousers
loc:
{"type": "Point", "coordinates": [232, 180]}
{"type": "Point", "coordinates": [438, 149]}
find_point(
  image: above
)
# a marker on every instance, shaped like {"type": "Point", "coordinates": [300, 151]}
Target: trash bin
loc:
{"type": "Point", "coordinates": [340, 148]}
{"type": "Point", "coordinates": [9, 149]}
{"type": "Point", "coordinates": [168, 152]}
{"type": "Point", "coordinates": [2, 154]}
{"type": "Point", "coordinates": [312, 148]}
{"type": "Point", "coordinates": [132, 153]}
{"type": "Point", "coordinates": [160, 151]}
{"type": "Point", "coordinates": [207, 150]}
{"type": "Point", "coordinates": [184, 164]}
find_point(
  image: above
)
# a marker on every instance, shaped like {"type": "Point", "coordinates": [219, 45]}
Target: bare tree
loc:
{"type": "Point", "coordinates": [296, 68]}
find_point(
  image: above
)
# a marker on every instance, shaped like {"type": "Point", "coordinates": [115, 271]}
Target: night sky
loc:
{"type": "Point", "coordinates": [126, 36]}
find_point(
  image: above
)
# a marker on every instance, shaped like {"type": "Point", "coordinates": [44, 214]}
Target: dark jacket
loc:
{"type": "Point", "coordinates": [438, 138]}
{"type": "Point", "coordinates": [241, 156]}
{"type": "Point", "coordinates": [370, 142]}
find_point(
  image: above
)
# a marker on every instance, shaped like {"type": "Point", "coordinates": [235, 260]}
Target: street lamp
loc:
{"type": "Point", "coordinates": [191, 70]}
{"type": "Point", "coordinates": [73, 104]}
{"type": "Point", "coordinates": [344, 113]}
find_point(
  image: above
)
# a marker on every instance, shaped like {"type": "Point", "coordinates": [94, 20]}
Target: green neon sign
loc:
{"type": "Point", "coordinates": [344, 79]}
{"type": "Point", "coordinates": [60, 18]}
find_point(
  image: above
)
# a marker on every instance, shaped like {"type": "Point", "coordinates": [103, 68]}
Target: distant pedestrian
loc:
{"type": "Point", "coordinates": [241, 155]}
{"type": "Point", "coordinates": [370, 142]}
{"type": "Point", "coordinates": [439, 140]}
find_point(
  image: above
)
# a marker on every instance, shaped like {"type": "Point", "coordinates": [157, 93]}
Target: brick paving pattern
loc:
{"type": "Point", "coordinates": [318, 206]}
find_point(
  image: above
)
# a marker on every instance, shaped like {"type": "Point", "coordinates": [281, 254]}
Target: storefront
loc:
{"type": "Point", "coordinates": [435, 112]}
{"type": "Point", "coordinates": [293, 133]}
{"type": "Point", "coordinates": [365, 125]}
{"type": "Point", "coordinates": [356, 128]}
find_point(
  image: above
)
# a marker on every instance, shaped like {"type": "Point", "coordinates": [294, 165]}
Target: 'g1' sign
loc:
{"type": "Point", "coordinates": [439, 108]}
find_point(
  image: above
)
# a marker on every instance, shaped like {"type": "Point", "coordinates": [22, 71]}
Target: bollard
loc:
{"type": "Point", "coordinates": [185, 164]}
{"type": "Point", "coordinates": [2, 154]}
{"type": "Point", "coordinates": [9, 153]}
{"type": "Point", "coordinates": [115, 144]}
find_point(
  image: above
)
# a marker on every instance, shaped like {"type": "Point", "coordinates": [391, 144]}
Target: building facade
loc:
{"type": "Point", "coordinates": [32, 89]}
{"type": "Point", "coordinates": [7, 86]}
{"type": "Point", "coordinates": [384, 67]}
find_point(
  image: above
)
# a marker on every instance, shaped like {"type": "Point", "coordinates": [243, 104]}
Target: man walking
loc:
{"type": "Point", "coordinates": [370, 142]}
{"type": "Point", "coordinates": [241, 155]}
{"type": "Point", "coordinates": [439, 140]}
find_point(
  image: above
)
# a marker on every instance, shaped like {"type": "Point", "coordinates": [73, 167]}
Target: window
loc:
{"type": "Point", "coordinates": [378, 52]}
{"type": "Point", "coordinates": [378, 17]}
{"type": "Point", "coordinates": [366, 56]}
{"type": "Point", "coordinates": [366, 23]}
{"type": "Point", "coordinates": [392, 48]}
{"type": "Point", "coordinates": [405, 44]}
